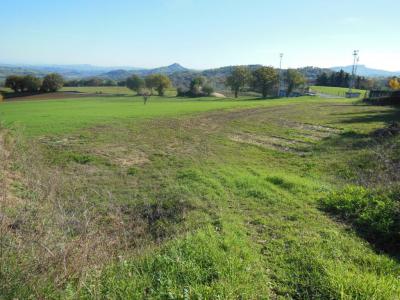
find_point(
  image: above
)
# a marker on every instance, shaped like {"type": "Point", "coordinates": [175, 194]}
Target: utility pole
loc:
{"type": "Point", "coordinates": [280, 81]}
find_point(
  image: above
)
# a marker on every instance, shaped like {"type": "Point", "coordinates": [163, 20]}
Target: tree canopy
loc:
{"type": "Point", "coordinates": [264, 80]}
{"type": "Point", "coordinates": [52, 82]}
{"type": "Point", "coordinates": [15, 83]}
{"type": "Point", "coordinates": [294, 79]}
{"type": "Point", "coordinates": [31, 83]}
{"type": "Point", "coordinates": [238, 79]}
{"type": "Point", "coordinates": [159, 82]}
{"type": "Point", "coordinates": [135, 83]}
{"type": "Point", "coordinates": [27, 83]}
{"type": "Point", "coordinates": [394, 83]}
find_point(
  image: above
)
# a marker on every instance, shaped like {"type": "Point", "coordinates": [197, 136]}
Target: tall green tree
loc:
{"type": "Point", "coordinates": [135, 83]}
{"type": "Point", "coordinates": [31, 83]}
{"type": "Point", "coordinates": [151, 82]}
{"type": "Point", "coordinates": [208, 90]}
{"type": "Point", "coordinates": [238, 79]}
{"type": "Point", "coordinates": [158, 81]}
{"type": "Point", "coordinates": [294, 79]}
{"type": "Point", "coordinates": [52, 83]}
{"type": "Point", "coordinates": [264, 80]}
{"type": "Point", "coordinates": [340, 79]}
{"type": "Point", "coordinates": [196, 86]}
{"type": "Point", "coordinates": [322, 79]}
{"type": "Point", "coordinates": [15, 83]}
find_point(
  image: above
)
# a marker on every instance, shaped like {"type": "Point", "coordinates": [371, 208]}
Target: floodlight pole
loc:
{"type": "Point", "coordinates": [280, 74]}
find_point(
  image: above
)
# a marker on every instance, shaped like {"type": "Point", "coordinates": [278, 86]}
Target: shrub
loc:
{"type": "Point", "coordinates": [374, 213]}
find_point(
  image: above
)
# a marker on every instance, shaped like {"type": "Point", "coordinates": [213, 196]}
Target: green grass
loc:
{"type": "Point", "coordinates": [111, 90]}
{"type": "Point", "coordinates": [99, 90]}
{"type": "Point", "coordinates": [335, 91]}
{"type": "Point", "coordinates": [190, 199]}
{"type": "Point", "coordinates": [373, 212]}
{"type": "Point", "coordinates": [56, 116]}
{"type": "Point", "coordinates": [205, 264]}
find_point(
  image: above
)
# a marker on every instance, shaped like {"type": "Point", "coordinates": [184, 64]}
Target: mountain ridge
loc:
{"type": "Point", "coordinates": [363, 70]}
{"type": "Point", "coordinates": [177, 72]}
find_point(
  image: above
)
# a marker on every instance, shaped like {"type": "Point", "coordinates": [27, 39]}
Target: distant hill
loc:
{"type": "Point", "coordinates": [67, 71]}
{"type": "Point", "coordinates": [123, 74]}
{"type": "Point", "coordinates": [179, 75]}
{"type": "Point", "coordinates": [116, 74]}
{"type": "Point", "coordinates": [363, 70]}
{"type": "Point", "coordinates": [169, 69]}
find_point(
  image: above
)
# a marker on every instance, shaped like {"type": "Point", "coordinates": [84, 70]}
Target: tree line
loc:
{"type": "Point", "coordinates": [264, 80]}
{"type": "Point", "coordinates": [94, 81]}
{"type": "Point", "coordinates": [158, 82]}
{"type": "Point", "coordinates": [32, 84]}
{"type": "Point", "coordinates": [343, 79]}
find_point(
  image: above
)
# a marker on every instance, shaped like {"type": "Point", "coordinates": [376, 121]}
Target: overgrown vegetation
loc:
{"type": "Point", "coordinates": [375, 213]}
{"type": "Point", "coordinates": [373, 205]}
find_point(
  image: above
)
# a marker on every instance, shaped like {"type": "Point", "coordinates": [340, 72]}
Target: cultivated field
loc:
{"type": "Point", "coordinates": [187, 199]}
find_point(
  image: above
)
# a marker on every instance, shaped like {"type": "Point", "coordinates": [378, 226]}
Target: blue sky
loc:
{"type": "Point", "coordinates": [200, 33]}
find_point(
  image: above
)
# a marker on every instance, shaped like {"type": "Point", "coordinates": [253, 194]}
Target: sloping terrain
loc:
{"type": "Point", "coordinates": [220, 201]}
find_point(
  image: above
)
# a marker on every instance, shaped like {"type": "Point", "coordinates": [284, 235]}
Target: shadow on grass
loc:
{"type": "Point", "coordinates": [370, 171]}
{"type": "Point", "coordinates": [371, 117]}
{"type": "Point", "coordinates": [390, 247]}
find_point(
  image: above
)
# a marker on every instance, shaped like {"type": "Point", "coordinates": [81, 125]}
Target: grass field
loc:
{"type": "Point", "coordinates": [48, 116]}
{"type": "Point", "coordinates": [335, 91]}
{"type": "Point", "coordinates": [186, 199]}
{"type": "Point", "coordinates": [110, 90]}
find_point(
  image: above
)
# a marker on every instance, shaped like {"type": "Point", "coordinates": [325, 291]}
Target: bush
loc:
{"type": "Point", "coordinates": [374, 213]}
